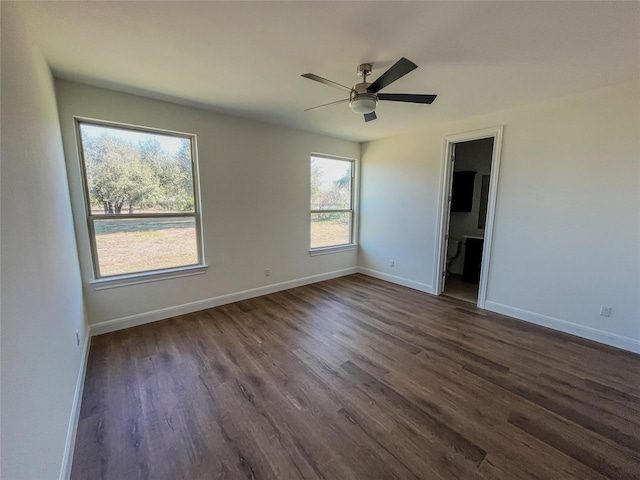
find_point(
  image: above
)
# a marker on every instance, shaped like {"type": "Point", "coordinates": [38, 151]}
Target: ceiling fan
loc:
{"type": "Point", "coordinates": [364, 97]}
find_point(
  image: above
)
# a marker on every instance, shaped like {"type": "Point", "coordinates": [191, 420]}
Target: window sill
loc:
{"type": "Point", "coordinates": [146, 277]}
{"type": "Point", "coordinates": [338, 248]}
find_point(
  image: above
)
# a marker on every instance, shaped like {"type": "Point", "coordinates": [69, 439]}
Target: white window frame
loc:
{"type": "Point", "coordinates": [353, 224]}
{"type": "Point", "coordinates": [102, 282]}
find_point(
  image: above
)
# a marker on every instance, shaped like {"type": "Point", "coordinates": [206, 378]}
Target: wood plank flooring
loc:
{"type": "Point", "coordinates": [356, 378]}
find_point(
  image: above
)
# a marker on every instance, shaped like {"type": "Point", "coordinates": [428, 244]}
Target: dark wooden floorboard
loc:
{"type": "Point", "coordinates": [356, 378]}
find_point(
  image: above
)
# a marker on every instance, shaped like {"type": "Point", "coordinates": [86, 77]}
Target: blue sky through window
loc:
{"type": "Point", "coordinates": [169, 143]}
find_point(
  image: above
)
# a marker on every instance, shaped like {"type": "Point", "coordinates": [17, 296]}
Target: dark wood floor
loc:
{"type": "Point", "coordinates": [356, 378]}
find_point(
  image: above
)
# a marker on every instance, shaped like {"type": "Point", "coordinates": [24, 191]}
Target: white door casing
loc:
{"type": "Point", "coordinates": [448, 151]}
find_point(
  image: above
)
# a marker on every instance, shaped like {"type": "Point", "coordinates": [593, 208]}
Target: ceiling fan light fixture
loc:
{"type": "Point", "coordinates": [363, 103]}
{"type": "Point", "coordinates": [364, 96]}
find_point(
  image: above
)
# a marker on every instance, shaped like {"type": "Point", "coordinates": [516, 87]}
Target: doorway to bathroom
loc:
{"type": "Point", "coordinates": [469, 186]}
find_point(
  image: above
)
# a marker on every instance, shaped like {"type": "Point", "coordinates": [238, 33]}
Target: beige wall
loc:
{"type": "Point", "coordinates": [255, 201]}
{"type": "Point", "coordinates": [567, 224]}
{"type": "Point", "coordinates": [42, 303]}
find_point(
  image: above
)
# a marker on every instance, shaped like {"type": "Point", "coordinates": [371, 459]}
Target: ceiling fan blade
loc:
{"type": "Point", "coordinates": [370, 116]}
{"type": "Point", "coordinates": [407, 97]}
{"type": "Point", "coordinates": [344, 100]}
{"type": "Point", "coordinates": [311, 76]}
{"type": "Point", "coordinates": [397, 70]}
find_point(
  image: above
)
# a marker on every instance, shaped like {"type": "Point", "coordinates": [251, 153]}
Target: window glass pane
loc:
{"type": "Point", "coordinates": [130, 171]}
{"type": "Point", "coordinates": [142, 244]}
{"type": "Point", "coordinates": [330, 229]}
{"type": "Point", "coordinates": [330, 184]}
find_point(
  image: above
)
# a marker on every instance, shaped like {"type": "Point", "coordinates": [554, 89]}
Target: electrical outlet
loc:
{"type": "Point", "coordinates": [78, 337]}
{"type": "Point", "coordinates": [392, 263]}
{"type": "Point", "coordinates": [267, 272]}
{"type": "Point", "coordinates": [605, 311]}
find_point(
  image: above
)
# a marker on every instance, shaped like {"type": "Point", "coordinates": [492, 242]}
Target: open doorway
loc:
{"type": "Point", "coordinates": [469, 192]}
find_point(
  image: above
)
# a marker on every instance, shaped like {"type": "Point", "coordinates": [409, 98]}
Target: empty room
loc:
{"type": "Point", "coordinates": [320, 240]}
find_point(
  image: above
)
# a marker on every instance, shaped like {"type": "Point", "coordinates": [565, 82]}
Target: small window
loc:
{"type": "Point", "coordinates": [141, 199]}
{"type": "Point", "coordinates": [331, 202]}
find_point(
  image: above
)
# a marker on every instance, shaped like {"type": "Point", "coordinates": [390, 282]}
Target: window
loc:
{"type": "Point", "coordinates": [141, 199]}
{"type": "Point", "coordinates": [331, 202]}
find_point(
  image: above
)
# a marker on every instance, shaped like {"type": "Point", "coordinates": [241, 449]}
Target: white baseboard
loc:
{"type": "Point", "coordinates": [405, 282]}
{"type": "Point", "coordinates": [612, 339]}
{"type": "Point", "coordinates": [67, 458]}
{"type": "Point", "coordinates": [163, 313]}
{"type": "Point", "coordinates": [607, 338]}
{"type": "Point", "coordinates": [619, 341]}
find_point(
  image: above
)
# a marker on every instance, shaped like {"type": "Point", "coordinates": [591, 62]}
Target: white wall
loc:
{"type": "Point", "coordinates": [255, 203]}
{"type": "Point", "coordinates": [567, 229]}
{"type": "Point", "coordinates": [398, 192]}
{"type": "Point", "coordinates": [41, 290]}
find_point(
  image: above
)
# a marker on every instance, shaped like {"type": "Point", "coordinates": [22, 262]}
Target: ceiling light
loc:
{"type": "Point", "coordinates": [363, 103]}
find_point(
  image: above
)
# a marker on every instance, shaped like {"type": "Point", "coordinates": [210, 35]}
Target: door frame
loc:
{"type": "Point", "coordinates": [445, 205]}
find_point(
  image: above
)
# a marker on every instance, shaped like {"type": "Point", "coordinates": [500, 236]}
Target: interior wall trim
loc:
{"type": "Point", "coordinates": [600, 336]}
{"type": "Point", "coordinates": [607, 338]}
{"type": "Point", "coordinates": [444, 213]}
{"type": "Point", "coordinates": [405, 282]}
{"type": "Point", "coordinates": [164, 313]}
{"type": "Point", "coordinates": [74, 418]}
{"type": "Point", "coordinates": [611, 339]}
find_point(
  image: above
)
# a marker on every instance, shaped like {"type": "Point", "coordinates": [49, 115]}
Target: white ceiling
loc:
{"type": "Point", "coordinates": [246, 58]}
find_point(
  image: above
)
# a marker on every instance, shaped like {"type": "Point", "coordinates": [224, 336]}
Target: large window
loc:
{"type": "Point", "coordinates": [331, 202]}
{"type": "Point", "coordinates": [141, 199]}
